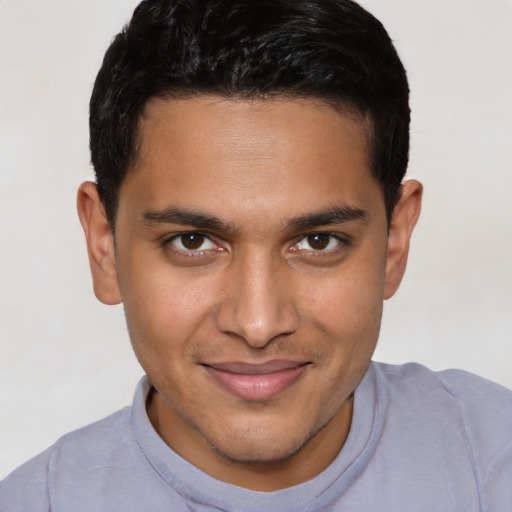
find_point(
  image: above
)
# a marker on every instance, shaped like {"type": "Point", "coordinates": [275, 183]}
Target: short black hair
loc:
{"type": "Point", "coordinates": [332, 50]}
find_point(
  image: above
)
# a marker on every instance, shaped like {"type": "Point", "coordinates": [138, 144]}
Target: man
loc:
{"type": "Point", "coordinates": [250, 214]}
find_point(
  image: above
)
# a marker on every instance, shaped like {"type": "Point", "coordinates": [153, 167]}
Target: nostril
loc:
{"type": "Point", "coordinates": [258, 306]}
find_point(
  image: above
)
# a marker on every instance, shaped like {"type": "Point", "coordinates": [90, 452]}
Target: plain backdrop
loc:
{"type": "Point", "coordinates": [65, 359]}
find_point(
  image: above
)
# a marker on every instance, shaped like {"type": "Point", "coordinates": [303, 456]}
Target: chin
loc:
{"type": "Point", "coordinates": [255, 446]}
{"type": "Point", "coordinates": [257, 454]}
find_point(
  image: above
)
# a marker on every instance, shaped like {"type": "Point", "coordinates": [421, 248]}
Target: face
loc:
{"type": "Point", "coordinates": [252, 259]}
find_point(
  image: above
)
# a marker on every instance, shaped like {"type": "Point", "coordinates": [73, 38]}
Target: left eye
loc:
{"type": "Point", "coordinates": [318, 242]}
{"type": "Point", "coordinates": [189, 242]}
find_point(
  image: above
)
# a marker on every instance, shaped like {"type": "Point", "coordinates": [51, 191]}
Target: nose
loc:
{"type": "Point", "coordinates": [259, 304]}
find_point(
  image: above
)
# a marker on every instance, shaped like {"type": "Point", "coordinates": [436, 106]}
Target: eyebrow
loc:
{"type": "Point", "coordinates": [333, 215]}
{"type": "Point", "coordinates": [186, 217]}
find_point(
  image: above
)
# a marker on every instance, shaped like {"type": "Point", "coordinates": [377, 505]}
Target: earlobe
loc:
{"type": "Point", "coordinates": [100, 244]}
{"type": "Point", "coordinates": [405, 216]}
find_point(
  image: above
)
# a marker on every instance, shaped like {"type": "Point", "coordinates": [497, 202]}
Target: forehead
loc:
{"type": "Point", "coordinates": [264, 155]}
{"type": "Point", "coordinates": [305, 120]}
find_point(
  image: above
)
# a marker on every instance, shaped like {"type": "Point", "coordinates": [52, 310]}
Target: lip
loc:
{"type": "Point", "coordinates": [256, 382]}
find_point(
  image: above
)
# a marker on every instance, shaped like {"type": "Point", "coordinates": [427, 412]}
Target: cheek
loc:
{"type": "Point", "coordinates": [351, 320]}
{"type": "Point", "coordinates": [347, 310]}
{"type": "Point", "coordinates": [349, 303]}
{"type": "Point", "coordinates": [164, 310]}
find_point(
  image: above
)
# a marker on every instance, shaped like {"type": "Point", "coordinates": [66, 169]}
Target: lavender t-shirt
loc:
{"type": "Point", "coordinates": [419, 441]}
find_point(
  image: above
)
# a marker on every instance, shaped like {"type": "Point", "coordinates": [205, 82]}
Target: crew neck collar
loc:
{"type": "Point", "coordinates": [315, 494]}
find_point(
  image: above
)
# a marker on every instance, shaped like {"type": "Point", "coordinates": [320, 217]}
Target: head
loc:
{"type": "Point", "coordinates": [329, 50]}
{"type": "Point", "coordinates": [249, 214]}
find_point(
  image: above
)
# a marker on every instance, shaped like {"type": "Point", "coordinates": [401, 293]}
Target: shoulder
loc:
{"type": "Point", "coordinates": [30, 487]}
{"type": "Point", "coordinates": [474, 396]}
{"type": "Point", "coordinates": [482, 406]}
{"type": "Point", "coordinates": [26, 488]}
{"type": "Point", "coordinates": [454, 408]}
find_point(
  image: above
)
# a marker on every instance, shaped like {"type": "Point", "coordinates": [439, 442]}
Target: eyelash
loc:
{"type": "Point", "coordinates": [342, 241]}
{"type": "Point", "coordinates": [168, 242]}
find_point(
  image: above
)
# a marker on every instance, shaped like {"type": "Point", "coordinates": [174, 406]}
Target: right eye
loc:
{"type": "Point", "coordinates": [192, 242]}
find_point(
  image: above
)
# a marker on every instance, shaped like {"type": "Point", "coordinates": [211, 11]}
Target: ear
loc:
{"type": "Point", "coordinates": [403, 220]}
{"type": "Point", "coordinates": [100, 244]}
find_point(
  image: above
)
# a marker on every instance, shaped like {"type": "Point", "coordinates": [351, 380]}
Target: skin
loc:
{"type": "Point", "coordinates": [289, 262]}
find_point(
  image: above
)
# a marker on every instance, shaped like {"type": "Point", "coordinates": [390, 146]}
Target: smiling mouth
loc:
{"type": "Point", "coordinates": [256, 382]}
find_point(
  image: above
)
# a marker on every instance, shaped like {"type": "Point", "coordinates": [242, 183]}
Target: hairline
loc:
{"type": "Point", "coordinates": [345, 108]}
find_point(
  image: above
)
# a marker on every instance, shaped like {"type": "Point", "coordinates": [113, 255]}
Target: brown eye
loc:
{"type": "Point", "coordinates": [192, 241]}
{"type": "Point", "coordinates": [318, 241]}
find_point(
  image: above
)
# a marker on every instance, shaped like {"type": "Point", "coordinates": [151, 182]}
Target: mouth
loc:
{"type": "Point", "coordinates": [256, 382]}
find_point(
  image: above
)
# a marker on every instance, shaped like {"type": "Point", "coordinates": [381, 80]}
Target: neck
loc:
{"type": "Point", "coordinates": [303, 465]}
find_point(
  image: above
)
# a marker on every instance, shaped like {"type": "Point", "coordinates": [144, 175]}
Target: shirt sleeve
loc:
{"type": "Point", "coordinates": [498, 484]}
{"type": "Point", "coordinates": [26, 488]}
{"type": "Point", "coordinates": [487, 413]}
